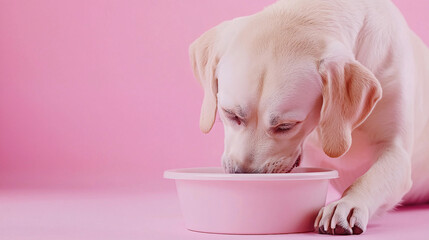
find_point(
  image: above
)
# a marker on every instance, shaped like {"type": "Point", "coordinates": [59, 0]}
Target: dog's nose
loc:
{"type": "Point", "coordinates": [242, 169]}
{"type": "Point", "coordinates": [231, 166]}
{"type": "Point", "coordinates": [234, 169]}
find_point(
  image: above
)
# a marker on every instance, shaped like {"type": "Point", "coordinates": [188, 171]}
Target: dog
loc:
{"type": "Point", "coordinates": [337, 83]}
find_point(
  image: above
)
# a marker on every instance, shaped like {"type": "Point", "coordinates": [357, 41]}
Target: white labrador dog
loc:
{"type": "Point", "coordinates": [323, 79]}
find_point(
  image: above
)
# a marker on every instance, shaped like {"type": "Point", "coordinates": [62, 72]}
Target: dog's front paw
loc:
{"type": "Point", "coordinates": [343, 217]}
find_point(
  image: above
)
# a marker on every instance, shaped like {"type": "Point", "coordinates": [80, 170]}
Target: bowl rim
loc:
{"type": "Point", "coordinates": [315, 173]}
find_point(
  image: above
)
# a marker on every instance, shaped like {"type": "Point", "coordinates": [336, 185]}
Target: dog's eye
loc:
{"type": "Point", "coordinates": [282, 128]}
{"type": "Point", "coordinates": [235, 119]}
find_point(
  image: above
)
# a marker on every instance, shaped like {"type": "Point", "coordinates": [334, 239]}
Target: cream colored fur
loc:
{"type": "Point", "coordinates": [343, 84]}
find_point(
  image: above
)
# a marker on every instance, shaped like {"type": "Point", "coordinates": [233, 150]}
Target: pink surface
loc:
{"type": "Point", "coordinates": [100, 95]}
{"type": "Point", "coordinates": [93, 215]}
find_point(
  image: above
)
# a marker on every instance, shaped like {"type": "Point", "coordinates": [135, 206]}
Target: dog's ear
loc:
{"type": "Point", "coordinates": [205, 53]}
{"type": "Point", "coordinates": [350, 92]}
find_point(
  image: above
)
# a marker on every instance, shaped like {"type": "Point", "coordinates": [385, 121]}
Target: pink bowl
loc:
{"type": "Point", "coordinates": [217, 202]}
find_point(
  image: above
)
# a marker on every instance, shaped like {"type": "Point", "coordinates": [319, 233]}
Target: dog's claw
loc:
{"type": "Point", "coordinates": [339, 230]}
{"type": "Point", "coordinates": [357, 230]}
{"type": "Point", "coordinates": [321, 230]}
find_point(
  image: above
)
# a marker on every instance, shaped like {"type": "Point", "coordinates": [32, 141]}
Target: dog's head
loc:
{"type": "Point", "coordinates": [272, 86]}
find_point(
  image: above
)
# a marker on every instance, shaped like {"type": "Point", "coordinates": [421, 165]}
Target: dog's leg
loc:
{"type": "Point", "coordinates": [380, 188]}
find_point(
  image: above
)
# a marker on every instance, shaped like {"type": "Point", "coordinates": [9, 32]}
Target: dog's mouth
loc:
{"type": "Point", "coordinates": [296, 164]}
{"type": "Point", "coordinates": [282, 169]}
{"type": "Point", "coordinates": [288, 169]}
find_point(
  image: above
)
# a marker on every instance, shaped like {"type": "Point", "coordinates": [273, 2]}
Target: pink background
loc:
{"type": "Point", "coordinates": [98, 95]}
{"type": "Point", "coordinates": [101, 94]}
